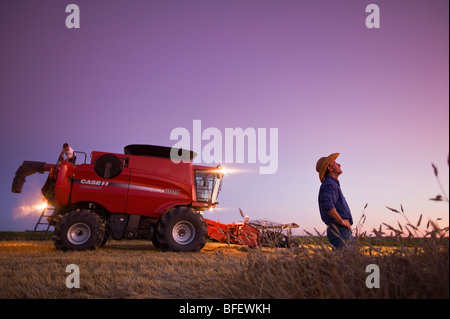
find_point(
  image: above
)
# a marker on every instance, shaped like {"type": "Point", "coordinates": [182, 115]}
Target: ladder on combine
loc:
{"type": "Point", "coordinates": [46, 212]}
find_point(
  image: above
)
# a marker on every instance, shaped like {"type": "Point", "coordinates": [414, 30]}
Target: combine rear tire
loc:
{"type": "Point", "coordinates": [181, 229]}
{"type": "Point", "coordinates": [79, 230]}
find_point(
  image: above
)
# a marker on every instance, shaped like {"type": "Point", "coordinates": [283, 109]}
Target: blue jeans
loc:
{"type": "Point", "coordinates": [339, 236]}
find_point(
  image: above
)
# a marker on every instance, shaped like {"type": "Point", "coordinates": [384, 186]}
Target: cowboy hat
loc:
{"type": "Point", "coordinates": [322, 165]}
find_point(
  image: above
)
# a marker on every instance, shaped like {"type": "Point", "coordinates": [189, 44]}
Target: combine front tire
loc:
{"type": "Point", "coordinates": [79, 230]}
{"type": "Point", "coordinates": [181, 229]}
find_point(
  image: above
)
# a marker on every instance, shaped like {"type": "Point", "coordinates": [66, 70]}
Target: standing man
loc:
{"type": "Point", "coordinates": [333, 207]}
{"type": "Point", "coordinates": [70, 154]}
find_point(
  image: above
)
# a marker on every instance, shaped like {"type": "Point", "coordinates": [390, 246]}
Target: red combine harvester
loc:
{"type": "Point", "coordinates": [139, 194]}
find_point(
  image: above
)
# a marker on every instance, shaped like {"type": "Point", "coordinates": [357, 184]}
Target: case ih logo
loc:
{"type": "Point", "coordinates": [94, 182]}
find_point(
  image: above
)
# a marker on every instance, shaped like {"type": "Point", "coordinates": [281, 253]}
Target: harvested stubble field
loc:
{"type": "Point", "coordinates": [135, 269]}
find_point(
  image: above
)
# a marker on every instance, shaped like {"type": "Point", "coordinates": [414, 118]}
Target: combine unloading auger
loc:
{"type": "Point", "coordinates": [26, 169]}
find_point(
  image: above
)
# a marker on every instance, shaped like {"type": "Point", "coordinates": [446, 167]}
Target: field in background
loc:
{"type": "Point", "coordinates": [417, 268]}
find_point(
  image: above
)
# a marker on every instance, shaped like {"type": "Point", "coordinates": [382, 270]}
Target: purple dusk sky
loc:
{"type": "Point", "coordinates": [136, 70]}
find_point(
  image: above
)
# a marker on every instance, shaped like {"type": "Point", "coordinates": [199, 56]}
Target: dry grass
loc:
{"type": "Point", "coordinates": [122, 269]}
{"type": "Point", "coordinates": [135, 269]}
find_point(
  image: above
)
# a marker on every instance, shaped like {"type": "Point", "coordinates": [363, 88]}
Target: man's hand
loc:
{"type": "Point", "coordinates": [343, 222]}
{"type": "Point", "coordinates": [346, 223]}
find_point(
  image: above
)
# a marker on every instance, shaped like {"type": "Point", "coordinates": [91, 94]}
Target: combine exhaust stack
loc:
{"type": "Point", "coordinates": [26, 169]}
